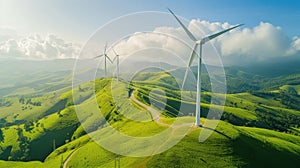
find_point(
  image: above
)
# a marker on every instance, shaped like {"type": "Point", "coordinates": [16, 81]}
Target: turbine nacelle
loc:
{"type": "Point", "coordinates": [199, 42]}
{"type": "Point", "coordinates": [105, 58]}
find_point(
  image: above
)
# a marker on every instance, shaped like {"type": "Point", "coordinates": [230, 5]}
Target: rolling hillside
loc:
{"type": "Point", "coordinates": [259, 127]}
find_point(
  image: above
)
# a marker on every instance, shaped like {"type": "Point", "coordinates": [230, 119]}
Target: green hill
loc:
{"type": "Point", "coordinates": [260, 128]}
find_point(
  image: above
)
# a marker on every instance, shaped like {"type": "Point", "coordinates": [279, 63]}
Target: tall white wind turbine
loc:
{"type": "Point", "coordinates": [105, 58]}
{"type": "Point", "coordinates": [198, 43]}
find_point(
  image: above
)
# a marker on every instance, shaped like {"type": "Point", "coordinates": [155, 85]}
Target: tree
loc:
{"type": "Point", "coordinates": [22, 100]}
{"type": "Point", "coordinates": [28, 101]}
{"type": "Point", "coordinates": [80, 89]}
{"type": "Point", "coordinates": [292, 91]}
{"type": "Point", "coordinates": [28, 126]}
{"type": "Point", "coordinates": [1, 136]}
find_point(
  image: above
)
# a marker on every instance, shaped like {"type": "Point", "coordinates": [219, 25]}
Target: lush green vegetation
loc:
{"type": "Point", "coordinates": [260, 126]}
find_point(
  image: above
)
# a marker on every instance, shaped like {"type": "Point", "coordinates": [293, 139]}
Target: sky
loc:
{"type": "Point", "coordinates": [72, 22]}
{"type": "Point", "coordinates": [76, 19]}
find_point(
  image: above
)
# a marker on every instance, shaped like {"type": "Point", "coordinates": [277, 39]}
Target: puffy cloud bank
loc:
{"type": "Point", "coordinates": [260, 43]}
{"type": "Point", "coordinates": [36, 47]}
{"type": "Point", "coordinates": [243, 45]}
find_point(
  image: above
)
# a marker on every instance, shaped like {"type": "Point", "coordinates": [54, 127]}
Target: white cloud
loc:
{"type": "Point", "coordinates": [295, 46]}
{"type": "Point", "coordinates": [260, 43]}
{"type": "Point", "coordinates": [159, 45]}
{"type": "Point", "coordinates": [10, 47]}
{"type": "Point", "coordinates": [35, 46]}
{"type": "Point", "coordinates": [7, 33]}
{"type": "Point", "coordinates": [242, 45]}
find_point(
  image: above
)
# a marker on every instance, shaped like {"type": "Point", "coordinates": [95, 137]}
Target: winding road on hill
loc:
{"type": "Point", "coordinates": [69, 158]}
{"type": "Point", "coordinates": [157, 118]}
{"type": "Point", "coordinates": [155, 114]}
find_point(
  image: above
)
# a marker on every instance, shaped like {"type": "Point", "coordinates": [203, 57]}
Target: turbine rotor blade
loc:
{"type": "Point", "coordinates": [189, 64]}
{"type": "Point", "coordinates": [192, 37]}
{"type": "Point", "coordinates": [108, 58]}
{"type": "Point", "coordinates": [206, 39]}
{"type": "Point", "coordinates": [116, 55]}
{"type": "Point", "coordinates": [114, 51]}
{"type": "Point", "coordinates": [98, 56]}
{"type": "Point", "coordinates": [193, 55]}
{"type": "Point", "coordinates": [114, 59]}
{"type": "Point", "coordinates": [105, 48]}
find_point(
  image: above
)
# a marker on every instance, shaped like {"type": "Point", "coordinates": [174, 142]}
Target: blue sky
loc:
{"type": "Point", "coordinates": [77, 20]}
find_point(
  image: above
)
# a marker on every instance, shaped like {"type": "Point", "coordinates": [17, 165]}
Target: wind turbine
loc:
{"type": "Point", "coordinates": [198, 43]}
{"type": "Point", "coordinates": [118, 62]}
{"type": "Point", "coordinates": [105, 57]}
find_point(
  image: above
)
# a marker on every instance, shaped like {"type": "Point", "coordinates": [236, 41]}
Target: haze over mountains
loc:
{"type": "Point", "coordinates": [17, 74]}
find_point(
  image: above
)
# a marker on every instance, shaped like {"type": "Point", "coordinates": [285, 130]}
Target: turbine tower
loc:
{"type": "Point", "coordinates": [105, 58]}
{"type": "Point", "coordinates": [118, 62]}
{"type": "Point", "coordinates": [198, 43]}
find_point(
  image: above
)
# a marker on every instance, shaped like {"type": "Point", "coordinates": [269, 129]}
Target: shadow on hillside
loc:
{"type": "Point", "coordinates": [6, 153]}
{"type": "Point", "coordinates": [256, 153]}
{"type": "Point", "coordinates": [57, 107]}
{"type": "Point", "coordinates": [221, 133]}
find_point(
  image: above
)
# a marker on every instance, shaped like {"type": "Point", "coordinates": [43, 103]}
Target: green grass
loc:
{"type": "Point", "coordinates": [58, 127]}
{"type": "Point", "coordinates": [288, 87]}
{"type": "Point", "coordinates": [229, 146]}
{"type": "Point", "coordinates": [267, 148]}
{"type": "Point", "coordinates": [225, 148]}
{"type": "Point", "coordinates": [258, 100]}
{"type": "Point", "coordinates": [218, 151]}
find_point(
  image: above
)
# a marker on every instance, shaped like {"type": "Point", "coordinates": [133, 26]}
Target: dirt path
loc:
{"type": "Point", "coordinates": [155, 114]}
{"type": "Point", "coordinates": [69, 158]}
{"type": "Point", "coordinates": [157, 119]}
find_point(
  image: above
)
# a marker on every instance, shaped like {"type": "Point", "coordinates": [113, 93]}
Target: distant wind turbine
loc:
{"type": "Point", "coordinates": [105, 57]}
{"type": "Point", "coordinates": [198, 43]}
{"type": "Point", "coordinates": [118, 62]}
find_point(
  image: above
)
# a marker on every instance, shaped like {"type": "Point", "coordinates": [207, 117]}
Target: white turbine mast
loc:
{"type": "Point", "coordinates": [118, 62]}
{"type": "Point", "coordinates": [198, 43]}
{"type": "Point", "coordinates": [105, 58]}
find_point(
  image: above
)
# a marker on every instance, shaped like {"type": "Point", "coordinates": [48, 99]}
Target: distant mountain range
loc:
{"type": "Point", "coordinates": [38, 74]}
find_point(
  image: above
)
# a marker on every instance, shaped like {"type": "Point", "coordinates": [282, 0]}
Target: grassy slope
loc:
{"type": "Point", "coordinates": [286, 87]}
{"type": "Point", "coordinates": [53, 127]}
{"type": "Point", "coordinates": [229, 147]}
{"type": "Point", "coordinates": [228, 151]}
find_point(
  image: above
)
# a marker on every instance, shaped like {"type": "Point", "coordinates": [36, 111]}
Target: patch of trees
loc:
{"type": "Point", "coordinates": [27, 101]}
{"type": "Point", "coordinates": [264, 94]}
{"type": "Point", "coordinates": [1, 136]}
{"type": "Point", "coordinates": [28, 126]}
{"type": "Point", "coordinates": [23, 153]}
{"type": "Point", "coordinates": [80, 89]}
{"type": "Point", "coordinates": [5, 103]}
{"type": "Point", "coordinates": [228, 117]}
{"type": "Point", "coordinates": [290, 98]}
{"type": "Point", "coordinates": [276, 120]}
{"type": "Point", "coordinates": [3, 122]}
